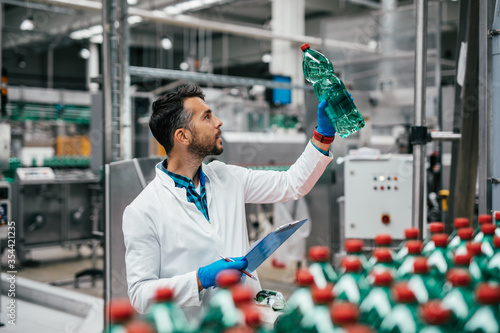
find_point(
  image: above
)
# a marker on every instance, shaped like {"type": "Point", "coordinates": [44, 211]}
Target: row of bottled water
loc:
{"type": "Point", "coordinates": [445, 283]}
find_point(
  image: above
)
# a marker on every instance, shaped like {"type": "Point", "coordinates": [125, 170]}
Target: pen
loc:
{"type": "Point", "coordinates": [242, 270]}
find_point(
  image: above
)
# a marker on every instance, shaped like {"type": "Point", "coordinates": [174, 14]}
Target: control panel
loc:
{"type": "Point", "coordinates": [378, 196]}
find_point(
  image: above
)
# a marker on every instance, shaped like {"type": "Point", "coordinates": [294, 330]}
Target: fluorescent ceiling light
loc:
{"type": "Point", "coordinates": [86, 33]}
{"type": "Point", "coordinates": [185, 6]}
{"type": "Point", "coordinates": [27, 25]}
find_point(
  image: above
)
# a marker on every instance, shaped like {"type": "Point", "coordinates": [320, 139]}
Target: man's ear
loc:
{"type": "Point", "coordinates": [183, 136]}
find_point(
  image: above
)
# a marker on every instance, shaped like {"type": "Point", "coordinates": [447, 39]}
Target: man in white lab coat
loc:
{"type": "Point", "coordinates": [191, 212]}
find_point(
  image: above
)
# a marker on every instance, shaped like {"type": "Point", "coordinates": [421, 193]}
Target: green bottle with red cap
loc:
{"type": "Point", "coordinates": [120, 313]}
{"type": "Point", "coordinates": [319, 320]}
{"type": "Point", "coordinates": [414, 249]}
{"type": "Point", "coordinates": [440, 259]}
{"type": "Point", "coordinates": [354, 248]}
{"type": "Point", "coordinates": [403, 317]}
{"type": "Point", "coordinates": [411, 234]}
{"type": "Point", "coordinates": [465, 236]}
{"type": "Point", "coordinates": [424, 285]}
{"type": "Point", "coordinates": [320, 266]}
{"type": "Point", "coordinates": [383, 261]}
{"type": "Point", "coordinates": [478, 262]}
{"type": "Point", "coordinates": [458, 296]}
{"type": "Point", "coordinates": [299, 304]}
{"type": "Point", "coordinates": [435, 317]}
{"type": "Point", "coordinates": [345, 317]}
{"type": "Point", "coordinates": [486, 239]}
{"type": "Point", "coordinates": [496, 215]}
{"type": "Point", "coordinates": [464, 261]}
{"type": "Point", "coordinates": [382, 241]}
{"type": "Point", "coordinates": [352, 285]}
{"type": "Point", "coordinates": [493, 264]}
{"type": "Point", "coordinates": [221, 312]}
{"type": "Point", "coordinates": [486, 316]}
{"type": "Point", "coordinates": [458, 223]}
{"type": "Point", "coordinates": [482, 219]}
{"type": "Point", "coordinates": [378, 302]}
{"type": "Point", "coordinates": [434, 229]}
{"type": "Point", "coordinates": [250, 316]}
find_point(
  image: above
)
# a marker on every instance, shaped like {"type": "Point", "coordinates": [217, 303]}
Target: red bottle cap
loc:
{"type": "Point", "coordinates": [459, 277]}
{"type": "Point", "coordinates": [497, 215]}
{"type": "Point", "coordinates": [354, 245]}
{"type": "Point", "coordinates": [488, 229]}
{"type": "Point", "coordinates": [412, 233]}
{"type": "Point", "coordinates": [434, 313]}
{"type": "Point", "coordinates": [164, 294]}
{"type": "Point", "coordinates": [323, 295]}
{"type": "Point", "coordinates": [440, 240]}
{"type": "Point", "coordinates": [382, 278]}
{"type": "Point", "coordinates": [344, 313]}
{"type": "Point", "coordinates": [488, 294]}
{"type": "Point", "coordinates": [358, 328]}
{"type": "Point", "coordinates": [304, 47]}
{"type": "Point", "coordinates": [227, 278]}
{"type": "Point", "coordinates": [474, 248]}
{"type": "Point", "coordinates": [303, 277]}
{"type": "Point", "coordinates": [484, 219]}
{"type": "Point", "coordinates": [120, 310]}
{"type": "Point", "coordinates": [319, 253]}
{"type": "Point", "coordinates": [461, 222]}
{"type": "Point", "coordinates": [420, 266]}
{"type": "Point", "coordinates": [496, 241]}
{"type": "Point", "coordinates": [465, 233]}
{"type": "Point", "coordinates": [382, 255]}
{"type": "Point", "coordinates": [351, 264]}
{"type": "Point", "coordinates": [383, 240]}
{"type": "Point", "coordinates": [462, 259]}
{"type": "Point", "coordinates": [403, 294]}
{"type": "Point", "coordinates": [242, 295]}
{"type": "Point", "coordinates": [414, 246]}
{"type": "Point", "coordinates": [253, 317]}
{"type": "Point", "coordinates": [139, 327]}
{"type": "Point", "coordinates": [436, 227]}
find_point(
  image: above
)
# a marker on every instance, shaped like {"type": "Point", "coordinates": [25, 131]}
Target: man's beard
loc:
{"type": "Point", "coordinates": [203, 148]}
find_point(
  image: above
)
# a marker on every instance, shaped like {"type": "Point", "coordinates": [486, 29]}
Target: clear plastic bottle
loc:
{"type": "Point", "coordinates": [434, 228]}
{"type": "Point", "coordinates": [352, 285]}
{"type": "Point", "coordinates": [377, 303]}
{"type": "Point", "coordinates": [320, 266]}
{"type": "Point", "coordinates": [486, 317]}
{"type": "Point", "coordinates": [341, 109]}
{"type": "Point", "coordinates": [458, 296]}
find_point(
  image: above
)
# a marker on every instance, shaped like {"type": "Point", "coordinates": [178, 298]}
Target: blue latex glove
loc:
{"type": "Point", "coordinates": [208, 273]}
{"type": "Point", "coordinates": [325, 127]}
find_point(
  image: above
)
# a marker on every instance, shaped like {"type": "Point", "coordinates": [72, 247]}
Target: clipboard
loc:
{"type": "Point", "coordinates": [265, 246]}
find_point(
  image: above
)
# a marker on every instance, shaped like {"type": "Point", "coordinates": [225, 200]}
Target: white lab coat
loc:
{"type": "Point", "coordinates": [167, 238]}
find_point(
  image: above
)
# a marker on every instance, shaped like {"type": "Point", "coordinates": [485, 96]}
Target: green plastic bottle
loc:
{"type": "Point", "coordinates": [435, 317]}
{"type": "Point", "coordinates": [378, 303]}
{"type": "Point", "coordinates": [352, 285]}
{"type": "Point", "coordinates": [221, 312]}
{"type": "Point", "coordinates": [320, 266]}
{"type": "Point", "coordinates": [345, 318]}
{"type": "Point", "coordinates": [354, 248]}
{"type": "Point", "coordinates": [382, 241]}
{"type": "Point", "coordinates": [411, 234]}
{"type": "Point", "coordinates": [464, 261]}
{"type": "Point", "coordinates": [458, 296]}
{"type": "Point", "coordinates": [383, 261]}
{"type": "Point", "coordinates": [139, 326]}
{"type": "Point", "coordinates": [486, 239]}
{"type": "Point", "coordinates": [165, 315]}
{"type": "Point", "coordinates": [458, 223]}
{"type": "Point", "coordinates": [497, 223]}
{"type": "Point", "coordinates": [478, 259]}
{"type": "Point", "coordinates": [434, 229]}
{"type": "Point", "coordinates": [120, 313]}
{"type": "Point", "coordinates": [493, 265]}
{"type": "Point", "coordinates": [403, 317]}
{"type": "Point", "coordinates": [422, 283]}
{"type": "Point", "coordinates": [341, 109]}
{"type": "Point", "coordinates": [482, 219]}
{"type": "Point", "coordinates": [299, 304]}
{"type": "Point", "coordinates": [486, 317]}
{"type": "Point", "coordinates": [251, 318]}
{"type": "Point", "coordinates": [414, 250]}
{"type": "Point", "coordinates": [440, 259]}
{"type": "Point", "coordinates": [319, 320]}
{"type": "Point", "coordinates": [465, 236]}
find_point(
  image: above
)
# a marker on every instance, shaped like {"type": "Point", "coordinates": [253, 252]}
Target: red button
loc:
{"type": "Point", "coordinates": [386, 218]}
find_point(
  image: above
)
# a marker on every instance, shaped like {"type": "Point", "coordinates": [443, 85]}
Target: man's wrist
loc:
{"type": "Point", "coordinates": [322, 138]}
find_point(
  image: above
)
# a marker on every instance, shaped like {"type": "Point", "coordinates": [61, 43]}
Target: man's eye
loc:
{"type": "Point", "coordinates": [207, 116]}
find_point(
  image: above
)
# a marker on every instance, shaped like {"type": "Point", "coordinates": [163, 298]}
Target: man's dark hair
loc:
{"type": "Point", "coordinates": [169, 114]}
